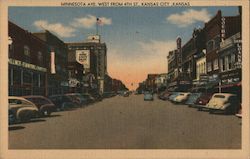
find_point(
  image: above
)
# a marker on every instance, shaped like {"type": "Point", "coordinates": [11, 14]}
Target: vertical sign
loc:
{"type": "Point", "coordinates": [83, 57]}
{"type": "Point", "coordinates": [52, 63]}
{"type": "Point", "coordinates": [179, 59]}
{"type": "Point", "coordinates": [223, 28]}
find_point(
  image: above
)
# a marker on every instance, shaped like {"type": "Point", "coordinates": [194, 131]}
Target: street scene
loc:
{"type": "Point", "coordinates": [125, 78]}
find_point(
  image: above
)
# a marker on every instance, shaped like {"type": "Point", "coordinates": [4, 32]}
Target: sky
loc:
{"type": "Point", "coordinates": [138, 39]}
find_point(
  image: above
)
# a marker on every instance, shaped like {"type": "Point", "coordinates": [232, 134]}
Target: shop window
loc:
{"type": "Point", "coordinates": [17, 76]}
{"type": "Point", "coordinates": [27, 77]}
{"type": "Point", "coordinates": [209, 66]}
{"type": "Point", "coordinates": [42, 80]}
{"type": "Point", "coordinates": [35, 79]}
{"type": "Point", "coordinates": [216, 64]}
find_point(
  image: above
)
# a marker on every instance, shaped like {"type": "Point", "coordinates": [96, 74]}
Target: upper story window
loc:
{"type": "Point", "coordinates": [26, 50]}
{"type": "Point", "coordinates": [210, 45]}
{"type": "Point", "coordinates": [209, 66]}
{"type": "Point", "coordinates": [217, 42]}
{"type": "Point", "coordinates": [40, 56]}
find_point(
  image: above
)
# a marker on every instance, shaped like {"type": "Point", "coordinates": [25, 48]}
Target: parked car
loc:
{"type": "Point", "coordinates": [88, 97]}
{"type": "Point", "coordinates": [173, 95]}
{"type": "Point", "coordinates": [108, 94]}
{"type": "Point", "coordinates": [11, 116]}
{"type": "Point", "coordinates": [126, 94]}
{"type": "Point", "coordinates": [62, 102]}
{"type": "Point", "coordinates": [77, 99]}
{"type": "Point", "coordinates": [148, 96]}
{"type": "Point", "coordinates": [201, 102]}
{"type": "Point", "coordinates": [96, 96]}
{"type": "Point", "coordinates": [164, 95]}
{"type": "Point", "coordinates": [21, 109]}
{"type": "Point", "coordinates": [44, 105]}
{"type": "Point", "coordinates": [181, 97]}
{"type": "Point", "coordinates": [192, 98]}
{"type": "Point", "coordinates": [223, 102]}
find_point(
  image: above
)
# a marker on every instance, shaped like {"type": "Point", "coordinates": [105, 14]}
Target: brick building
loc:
{"type": "Point", "coordinates": [28, 63]}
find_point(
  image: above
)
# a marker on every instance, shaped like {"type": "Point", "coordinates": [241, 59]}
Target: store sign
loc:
{"type": "Point", "coordinates": [230, 77]}
{"type": "Point", "coordinates": [26, 65]}
{"type": "Point", "coordinates": [214, 78]}
{"type": "Point", "coordinates": [83, 57]}
{"type": "Point", "coordinates": [185, 82]}
{"type": "Point", "coordinates": [223, 28]}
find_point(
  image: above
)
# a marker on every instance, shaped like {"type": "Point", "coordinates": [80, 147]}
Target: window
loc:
{"type": "Point", "coordinates": [216, 64]}
{"type": "Point", "coordinates": [229, 62]}
{"type": "Point", "coordinates": [16, 76]}
{"type": "Point", "coordinates": [26, 50]}
{"type": "Point", "coordinates": [210, 45]}
{"type": "Point", "coordinates": [209, 66]}
{"type": "Point", "coordinates": [233, 60]}
{"type": "Point", "coordinates": [35, 80]}
{"type": "Point", "coordinates": [222, 65]}
{"type": "Point", "coordinates": [27, 77]}
{"type": "Point", "coordinates": [217, 42]}
{"type": "Point", "coordinates": [226, 63]}
{"type": "Point", "coordinates": [40, 56]}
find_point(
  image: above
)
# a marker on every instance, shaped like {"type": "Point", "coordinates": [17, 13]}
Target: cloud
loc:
{"type": "Point", "coordinates": [89, 21]}
{"type": "Point", "coordinates": [58, 28]}
{"type": "Point", "coordinates": [189, 17]}
{"type": "Point", "coordinates": [148, 57]}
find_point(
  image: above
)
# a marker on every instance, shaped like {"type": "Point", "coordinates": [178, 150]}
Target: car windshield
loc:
{"type": "Point", "coordinates": [219, 96]}
{"type": "Point", "coordinates": [38, 101]}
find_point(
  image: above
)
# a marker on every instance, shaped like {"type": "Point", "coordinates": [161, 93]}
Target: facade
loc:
{"type": "Point", "coordinates": [57, 69]}
{"type": "Point", "coordinates": [97, 65]}
{"type": "Point", "coordinates": [172, 65]}
{"type": "Point", "coordinates": [161, 82]}
{"type": "Point", "coordinates": [75, 73]}
{"type": "Point", "coordinates": [230, 57]}
{"type": "Point", "coordinates": [150, 82]}
{"type": "Point", "coordinates": [28, 63]}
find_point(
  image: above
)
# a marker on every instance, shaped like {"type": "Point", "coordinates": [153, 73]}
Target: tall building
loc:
{"type": "Point", "coordinates": [28, 63]}
{"type": "Point", "coordinates": [97, 65]}
{"type": "Point", "coordinates": [57, 70]}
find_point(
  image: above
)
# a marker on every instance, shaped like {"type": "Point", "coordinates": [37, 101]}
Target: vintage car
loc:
{"type": "Point", "coordinates": [192, 99]}
{"type": "Point", "coordinates": [21, 109]}
{"type": "Point", "coordinates": [77, 99]}
{"type": "Point", "coordinates": [62, 102]}
{"type": "Point", "coordinates": [173, 95]}
{"type": "Point", "coordinates": [88, 97]}
{"type": "Point", "coordinates": [201, 102]}
{"type": "Point", "coordinates": [148, 96]}
{"type": "Point", "coordinates": [181, 97]}
{"type": "Point", "coordinates": [44, 105]}
{"type": "Point", "coordinates": [223, 102]}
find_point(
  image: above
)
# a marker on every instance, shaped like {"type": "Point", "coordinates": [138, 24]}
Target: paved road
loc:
{"type": "Point", "coordinates": [129, 123]}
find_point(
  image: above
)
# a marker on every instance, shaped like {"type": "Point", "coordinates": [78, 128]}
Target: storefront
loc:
{"type": "Point", "coordinates": [231, 81]}
{"type": "Point", "coordinates": [26, 79]}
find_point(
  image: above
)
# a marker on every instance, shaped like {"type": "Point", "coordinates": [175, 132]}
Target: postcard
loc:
{"type": "Point", "coordinates": [124, 79]}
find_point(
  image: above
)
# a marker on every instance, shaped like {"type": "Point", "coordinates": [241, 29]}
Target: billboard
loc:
{"type": "Point", "coordinates": [83, 57]}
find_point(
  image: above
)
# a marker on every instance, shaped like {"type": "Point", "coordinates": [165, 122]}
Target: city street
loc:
{"type": "Point", "coordinates": [129, 123]}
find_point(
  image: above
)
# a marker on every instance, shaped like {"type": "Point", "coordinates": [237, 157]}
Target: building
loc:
{"type": "Point", "coordinates": [28, 63]}
{"type": "Point", "coordinates": [150, 82]}
{"type": "Point", "coordinates": [96, 65]}
{"type": "Point", "coordinates": [161, 82]}
{"type": "Point", "coordinates": [172, 66]}
{"type": "Point", "coordinates": [230, 58]}
{"type": "Point", "coordinates": [57, 70]}
{"type": "Point", "coordinates": [178, 78]}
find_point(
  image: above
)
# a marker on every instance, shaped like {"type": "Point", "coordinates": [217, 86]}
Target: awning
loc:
{"type": "Point", "coordinates": [230, 85]}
